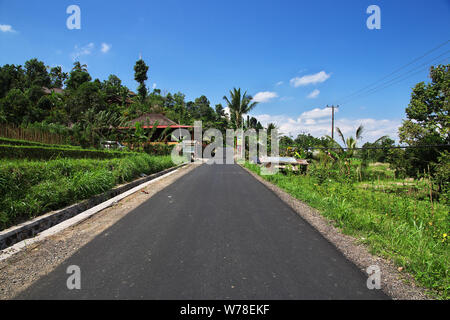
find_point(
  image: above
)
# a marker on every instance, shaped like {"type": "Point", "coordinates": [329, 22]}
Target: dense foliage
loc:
{"type": "Point", "coordinates": [428, 121]}
{"type": "Point", "coordinates": [89, 110]}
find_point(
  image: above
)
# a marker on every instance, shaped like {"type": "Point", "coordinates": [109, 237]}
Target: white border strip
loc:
{"type": "Point", "coordinates": [6, 253]}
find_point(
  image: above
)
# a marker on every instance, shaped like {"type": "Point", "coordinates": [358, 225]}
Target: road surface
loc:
{"type": "Point", "coordinates": [216, 233]}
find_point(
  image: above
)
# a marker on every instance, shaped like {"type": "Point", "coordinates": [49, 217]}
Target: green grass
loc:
{"type": "Point", "coordinates": [401, 228]}
{"type": "Point", "coordinates": [31, 188]}
{"type": "Point", "coordinates": [51, 153]}
{"type": "Point", "coordinates": [417, 189]}
{"type": "Point", "coordinates": [378, 171]}
{"type": "Point", "coordinates": [18, 142]}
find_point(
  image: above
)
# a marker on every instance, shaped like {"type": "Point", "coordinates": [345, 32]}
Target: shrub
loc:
{"type": "Point", "coordinates": [158, 149]}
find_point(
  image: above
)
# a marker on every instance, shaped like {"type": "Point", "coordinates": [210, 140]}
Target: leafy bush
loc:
{"type": "Point", "coordinates": [158, 149]}
{"type": "Point", "coordinates": [340, 171]}
{"type": "Point", "coordinates": [442, 175]}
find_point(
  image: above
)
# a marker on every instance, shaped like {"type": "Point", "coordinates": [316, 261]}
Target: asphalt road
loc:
{"type": "Point", "coordinates": [217, 233]}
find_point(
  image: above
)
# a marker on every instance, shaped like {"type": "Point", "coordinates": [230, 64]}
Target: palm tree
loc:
{"type": "Point", "coordinates": [277, 135]}
{"type": "Point", "coordinates": [239, 105]}
{"type": "Point", "coordinates": [79, 67]}
{"type": "Point", "coordinates": [349, 144]}
{"type": "Point", "coordinates": [272, 126]}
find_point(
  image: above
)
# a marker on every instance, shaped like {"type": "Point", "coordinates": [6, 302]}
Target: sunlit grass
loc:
{"type": "Point", "coordinates": [408, 231]}
{"type": "Point", "coordinates": [31, 188]}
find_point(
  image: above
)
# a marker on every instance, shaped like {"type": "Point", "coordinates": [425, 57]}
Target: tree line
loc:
{"type": "Point", "coordinates": [89, 110]}
{"type": "Point", "coordinates": [23, 99]}
{"type": "Point", "coordinates": [37, 95]}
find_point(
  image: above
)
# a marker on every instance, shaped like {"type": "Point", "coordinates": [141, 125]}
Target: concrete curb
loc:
{"type": "Point", "coordinates": [31, 228]}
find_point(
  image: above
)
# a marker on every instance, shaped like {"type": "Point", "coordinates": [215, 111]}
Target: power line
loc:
{"type": "Point", "coordinates": [390, 147]}
{"type": "Point", "coordinates": [395, 71]}
{"type": "Point", "coordinates": [391, 83]}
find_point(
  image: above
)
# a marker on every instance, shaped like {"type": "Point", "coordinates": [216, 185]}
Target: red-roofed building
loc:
{"type": "Point", "coordinates": [148, 120]}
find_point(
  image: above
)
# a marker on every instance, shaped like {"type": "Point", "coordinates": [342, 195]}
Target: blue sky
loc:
{"type": "Point", "coordinates": [265, 47]}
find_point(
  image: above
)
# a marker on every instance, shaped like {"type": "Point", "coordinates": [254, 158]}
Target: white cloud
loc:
{"type": "Point", "coordinates": [317, 122]}
{"type": "Point", "coordinates": [82, 51]}
{"type": "Point", "coordinates": [6, 28]}
{"type": "Point", "coordinates": [105, 47]}
{"type": "Point", "coordinates": [313, 94]}
{"type": "Point", "coordinates": [309, 79]}
{"type": "Point", "coordinates": [317, 113]}
{"type": "Point", "coordinates": [154, 86]}
{"type": "Point", "coordinates": [279, 83]}
{"type": "Point", "coordinates": [264, 96]}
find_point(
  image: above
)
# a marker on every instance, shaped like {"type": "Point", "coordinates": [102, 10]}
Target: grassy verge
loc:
{"type": "Point", "coordinates": [47, 153]}
{"type": "Point", "coordinates": [18, 142]}
{"type": "Point", "coordinates": [31, 188]}
{"type": "Point", "coordinates": [410, 232]}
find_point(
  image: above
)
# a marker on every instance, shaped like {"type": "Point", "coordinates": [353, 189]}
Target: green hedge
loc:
{"type": "Point", "coordinates": [31, 188]}
{"type": "Point", "coordinates": [17, 142]}
{"type": "Point", "coordinates": [158, 149]}
{"type": "Point", "coordinates": [48, 153]}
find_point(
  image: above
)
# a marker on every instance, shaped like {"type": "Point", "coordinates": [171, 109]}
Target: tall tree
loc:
{"type": "Point", "coordinates": [78, 76]}
{"type": "Point", "coordinates": [307, 141]}
{"type": "Point", "coordinates": [202, 110]}
{"type": "Point", "coordinates": [77, 66]}
{"type": "Point", "coordinates": [379, 155]}
{"type": "Point", "coordinates": [428, 120]}
{"type": "Point", "coordinates": [220, 111]}
{"type": "Point", "coordinates": [115, 93]}
{"type": "Point", "coordinates": [11, 77]}
{"type": "Point", "coordinates": [140, 75]}
{"type": "Point", "coordinates": [16, 107]}
{"type": "Point", "coordinates": [239, 104]}
{"type": "Point", "coordinates": [57, 77]}
{"type": "Point", "coordinates": [36, 73]}
{"type": "Point", "coordinates": [87, 96]}
{"type": "Point", "coordinates": [428, 110]}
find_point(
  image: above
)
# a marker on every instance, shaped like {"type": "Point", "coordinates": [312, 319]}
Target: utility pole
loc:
{"type": "Point", "coordinates": [332, 120]}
